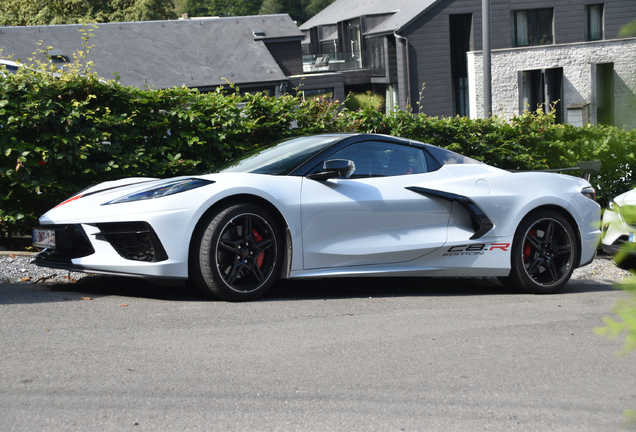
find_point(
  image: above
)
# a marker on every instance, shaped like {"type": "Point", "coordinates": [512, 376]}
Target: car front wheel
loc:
{"type": "Point", "coordinates": [236, 253]}
{"type": "Point", "coordinates": [544, 250]}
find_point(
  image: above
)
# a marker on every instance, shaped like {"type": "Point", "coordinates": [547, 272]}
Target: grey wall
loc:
{"type": "Point", "coordinates": [288, 55]}
{"type": "Point", "coordinates": [319, 81]}
{"type": "Point", "coordinates": [429, 42]}
{"type": "Point", "coordinates": [429, 39]}
{"type": "Point", "coordinates": [617, 14]}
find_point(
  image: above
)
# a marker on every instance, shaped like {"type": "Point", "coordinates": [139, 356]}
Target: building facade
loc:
{"type": "Point", "coordinates": [427, 55]}
{"type": "Point", "coordinates": [589, 82]}
{"type": "Point", "coordinates": [422, 55]}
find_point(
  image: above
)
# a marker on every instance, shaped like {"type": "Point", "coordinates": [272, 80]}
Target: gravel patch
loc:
{"type": "Point", "coordinates": [602, 267]}
{"type": "Point", "coordinates": [17, 269]}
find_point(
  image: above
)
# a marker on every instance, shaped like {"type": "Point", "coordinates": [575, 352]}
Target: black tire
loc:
{"type": "Point", "coordinates": [544, 252]}
{"type": "Point", "coordinates": [236, 254]}
{"type": "Point", "coordinates": [625, 263]}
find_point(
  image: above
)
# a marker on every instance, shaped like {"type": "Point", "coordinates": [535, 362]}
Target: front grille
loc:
{"type": "Point", "coordinates": [620, 240]}
{"type": "Point", "coordinates": [135, 241]}
{"type": "Point", "coordinates": [71, 242]}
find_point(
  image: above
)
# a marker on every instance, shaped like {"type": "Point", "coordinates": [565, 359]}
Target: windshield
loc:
{"type": "Point", "coordinates": [281, 158]}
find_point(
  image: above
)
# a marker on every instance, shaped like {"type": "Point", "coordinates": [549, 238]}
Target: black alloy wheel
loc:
{"type": "Point", "coordinates": [238, 253]}
{"type": "Point", "coordinates": [544, 252]}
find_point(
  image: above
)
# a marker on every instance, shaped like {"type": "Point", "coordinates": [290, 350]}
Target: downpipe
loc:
{"type": "Point", "coordinates": [408, 65]}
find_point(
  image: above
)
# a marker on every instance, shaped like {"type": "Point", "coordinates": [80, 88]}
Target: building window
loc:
{"type": "Point", "coordinates": [542, 89]}
{"type": "Point", "coordinates": [532, 27]}
{"type": "Point", "coordinates": [267, 91]}
{"type": "Point", "coordinates": [329, 47]}
{"type": "Point", "coordinates": [326, 93]}
{"type": "Point", "coordinates": [373, 58]}
{"type": "Point", "coordinates": [461, 41]}
{"type": "Point", "coordinates": [594, 22]}
{"type": "Point", "coordinates": [603, 97]}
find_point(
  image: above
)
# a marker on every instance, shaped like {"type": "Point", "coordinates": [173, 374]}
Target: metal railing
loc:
{"type": "Point", "coordinates": [337, 61]}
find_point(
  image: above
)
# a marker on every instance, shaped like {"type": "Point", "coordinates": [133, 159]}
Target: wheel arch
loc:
{"type": "Point", "coordinates": [251, 199]}
{"type": "Point", "coordinates": [568, 216]}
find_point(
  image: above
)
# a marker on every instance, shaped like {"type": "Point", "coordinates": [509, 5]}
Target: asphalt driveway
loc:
{"type": "Point", "coordinates": [350, 354]}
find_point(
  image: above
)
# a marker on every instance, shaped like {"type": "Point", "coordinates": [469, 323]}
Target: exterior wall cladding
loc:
{"type": "Point", "coordinates": [429, 55]}
{"type": "Point", "coordinates": [578, 62]}
{"type": "Point", "coordinates": [430, 62]}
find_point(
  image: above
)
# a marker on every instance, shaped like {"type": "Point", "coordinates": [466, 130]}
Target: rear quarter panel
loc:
{"type": "Point", "coordinates": [509, 197]}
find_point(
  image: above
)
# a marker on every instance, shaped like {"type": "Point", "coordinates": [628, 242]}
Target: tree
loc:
{"type": "Point", "coordinates": [315, 6]}
{"type": "Point", "coordinates": [48, 12]}
{"type": "Point", "coordinates": [237, 7]}
{"type": "Point", "coordinates": [222, 7]}
{"type": "Point", "coordinates": [295, 8]}
{"type": "Point", "coordinates": [142, 10]}
{"type": "Point", "coordinates": [180, 7]}
{"type": "Point", "coordinates": [625, 309]}
{"type": "Point", "coordinates": [299, 10]}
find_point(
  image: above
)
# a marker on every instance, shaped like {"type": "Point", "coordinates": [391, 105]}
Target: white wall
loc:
{"type": "Point", "coordinates": [577, 61]}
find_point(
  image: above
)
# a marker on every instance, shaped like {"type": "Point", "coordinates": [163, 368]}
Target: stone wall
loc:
{"type": "Point", "coordinates": [578, 61]}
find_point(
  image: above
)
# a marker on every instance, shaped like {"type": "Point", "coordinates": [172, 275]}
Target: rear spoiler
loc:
{"type": "Point", "coordinates": [587, 169]}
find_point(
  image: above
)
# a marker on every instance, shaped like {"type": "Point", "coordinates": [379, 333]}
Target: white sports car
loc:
{"type": "Point", "coordinates": [330, 205]}
{"type": "Point", "coordinates": [618, 230]}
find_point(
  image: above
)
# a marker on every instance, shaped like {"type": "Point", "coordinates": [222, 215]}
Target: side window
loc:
{"type": "Point", "coordinates": [378, 159]}
{"type": "Point", "coordinates": [594, 22]}
{"type": "Point", "coordinates": [532, 27]}
{"type": "Point", "coordinates": [541, 88]}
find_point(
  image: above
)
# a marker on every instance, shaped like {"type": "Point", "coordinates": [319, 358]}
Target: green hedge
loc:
{"type": "Point", "coordinates": [60, 134]}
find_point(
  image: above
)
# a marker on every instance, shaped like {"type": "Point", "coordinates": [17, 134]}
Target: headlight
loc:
{"type": "Point", "coordinates": [166, 189]}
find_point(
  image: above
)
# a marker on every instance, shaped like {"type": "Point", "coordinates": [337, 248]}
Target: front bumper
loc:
{"type": "Point", "coordinates": [119, 248]}
{"type": "Point", "coordinates": [615, 232]}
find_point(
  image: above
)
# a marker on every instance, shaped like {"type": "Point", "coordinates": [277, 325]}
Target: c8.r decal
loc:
{"type": "Point", "coordinates": [476, 249]}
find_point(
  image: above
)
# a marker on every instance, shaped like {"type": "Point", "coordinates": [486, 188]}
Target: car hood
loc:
{"type": "Point", "coordinates": [627, 198]}
{"type": "Point", "coordinates": [132, 182]}
{"type": "Point", "coordinates": [89, 203]}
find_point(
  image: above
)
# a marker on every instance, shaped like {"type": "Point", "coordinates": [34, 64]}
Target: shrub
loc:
{"type": "Point", "coordinates": [63, 133]}
{"type": "Point", "coordinates": [368, 100]}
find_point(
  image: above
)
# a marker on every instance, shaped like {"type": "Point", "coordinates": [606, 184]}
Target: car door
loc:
{"type": "Point", "coordinates": [371, 218]}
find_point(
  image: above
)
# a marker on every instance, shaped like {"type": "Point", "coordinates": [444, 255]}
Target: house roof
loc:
{"type": "Point", "coordinates": [196, 52]}
{"type": "Point", "coordinates": [402, 13]}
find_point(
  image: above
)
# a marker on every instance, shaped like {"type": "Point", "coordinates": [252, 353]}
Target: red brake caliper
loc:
{"type": "Point", "coordinates": [261, 257]}
{"type": "Point", "coordinates": [527, 249]}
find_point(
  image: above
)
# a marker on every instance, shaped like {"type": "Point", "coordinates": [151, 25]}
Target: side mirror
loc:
{"type": "Point", "coordinates": [334, 168]}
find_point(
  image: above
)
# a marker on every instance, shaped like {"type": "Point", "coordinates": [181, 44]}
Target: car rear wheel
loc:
{"type": "Point", "coordinates": [544, 251]}
{"type": "Point", "coordinates": [237, 253]}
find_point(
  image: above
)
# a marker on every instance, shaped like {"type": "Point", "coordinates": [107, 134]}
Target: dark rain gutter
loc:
{"type": "Point", "coordinates": [408, 65]}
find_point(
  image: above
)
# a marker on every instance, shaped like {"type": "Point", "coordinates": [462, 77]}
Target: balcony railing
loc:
{"type": "Point", "coordinates": [334, 61]}
{"type": "Point", "coordinates": [372, 59]}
